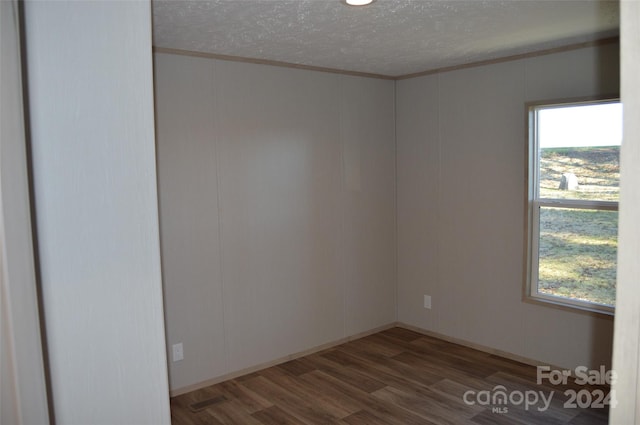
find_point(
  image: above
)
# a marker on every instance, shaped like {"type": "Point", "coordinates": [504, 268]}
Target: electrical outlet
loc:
{"type": "Point", "coordinates": [427, 302]}
{"type": "Point", "coordinates": [178, 353]}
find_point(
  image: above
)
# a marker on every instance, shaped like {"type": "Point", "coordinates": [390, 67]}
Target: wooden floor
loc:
{"type": "Point", "coordinates": [393, 377]}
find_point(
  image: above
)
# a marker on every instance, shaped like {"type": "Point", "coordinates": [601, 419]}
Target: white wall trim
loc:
{"type": "Point", "coordinates": [479, 347]}
{"type": "Point", "coordinates": [91, 123]}
{"type": "Point", "coordinates": [458, 341]}
{"type": "Point", "coordinates": [22, 354]}
{"type": "Point", "coordinates": [275, 362]}
{"type": "Point", "coordinates": [626, 349]}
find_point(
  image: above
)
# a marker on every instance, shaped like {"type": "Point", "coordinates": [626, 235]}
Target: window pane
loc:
{"type": "Point", "coordinates": [579, 151]}
{"type": "Point", "coordinates": [577, 254]}
{"type": "Point", "coordinates": [580, 173]}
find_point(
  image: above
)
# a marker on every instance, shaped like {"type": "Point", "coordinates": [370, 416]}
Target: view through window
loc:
{"type": "Point", "coordinates": [573, 198]}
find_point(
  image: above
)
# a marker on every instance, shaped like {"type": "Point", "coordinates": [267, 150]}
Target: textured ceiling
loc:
{"type": "Point", "coordinates": [390, 37]}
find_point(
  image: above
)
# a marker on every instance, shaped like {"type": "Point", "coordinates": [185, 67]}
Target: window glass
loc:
{"type": "Point", "coordinates": [577, 254]}
{"type": "Point", "coordinates": [574, 188]}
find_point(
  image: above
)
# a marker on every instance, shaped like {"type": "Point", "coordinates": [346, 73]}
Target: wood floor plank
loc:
{"type": "Point", "coordinates": [342, 356]}
{"type": "Point", "coordinates": [388, 368]}
{"type": "Point", "coordinates": [180, 414]}
{"type": "Point", "coordinates": [296, 367]}
{"type": "Point", "coordinates": [334, 404]}
{"type": "Point", "coordinates": [443, 362]}
{"type": "Point", "coordinates": [454, 391]}
{"type": "Point", "coordinates": [430, 412]}
{"type": "Point", "coordinates": [489, 418]}
{"type": "Point", "coordinates": [248, 400]}
{"type": "Point", "coordinates": [385, 411]}
{"type": "Point", "coordinates": [590, 418]}
{"type": "Point", "coordinates": [394, 377]}
{"type": "Point", "coordinates": [295, 406]}
{"type": "Point", "coordinates": [370, 345]}
{"type": "Point", "coordinates": [230, 413]}
{"type": "Point", "coordinates": [275, 416]}
{"type": "Point", "coordinates": [391, 340]}
{"type": "Point", "coordinates": [364, 418]}
{"type": "Point", "coordinates": [434, 344]}
{"type": "Point", "coordinates": [185, 417]}
{"type": "Point", "coordinates": [401, 333]}
{"type": "Point", "coordinates": [346, 374]}
{"type": "Point", "coordinates": [531, 417]}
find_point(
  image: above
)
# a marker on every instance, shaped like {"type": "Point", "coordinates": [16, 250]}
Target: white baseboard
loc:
{"type": "Point", "coordinates": [479, 347]}
{"type": "Point", "coordinates": [255, 368]}
{"type": "Point", "coordinates": [248, 370]}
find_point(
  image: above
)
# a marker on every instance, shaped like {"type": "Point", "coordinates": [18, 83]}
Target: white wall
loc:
{"type": "Point", "coordinates": [91, 99]}
{"type": "Point", "coordinates": [626, 355]}
{"type": "Point", "coordinates": [277, 190]}
{"type": "Point", "coordinates": [461, 205]}
{"type": "Point", "coordinates": [24, 399]}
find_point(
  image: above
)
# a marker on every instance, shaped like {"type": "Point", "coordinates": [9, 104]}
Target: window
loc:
{"type": "Point", "coordinates": [574, 173]}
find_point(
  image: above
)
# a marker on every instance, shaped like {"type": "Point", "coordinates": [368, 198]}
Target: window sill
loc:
{"type": "Point", "coordinates": [574, 306]}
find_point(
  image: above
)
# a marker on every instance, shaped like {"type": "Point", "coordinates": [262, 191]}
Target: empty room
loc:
{"type": "Point", "coordinates": [320, 212]}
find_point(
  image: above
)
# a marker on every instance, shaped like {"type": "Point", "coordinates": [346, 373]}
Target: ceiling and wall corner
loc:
{"type": "Point", "coordinates": [388, 38]}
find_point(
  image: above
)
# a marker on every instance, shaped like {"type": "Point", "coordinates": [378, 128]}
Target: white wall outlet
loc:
{"type": "Point", "coordinates": [178, 353]}
{"type": "Point", "coordinates": [427, 302]}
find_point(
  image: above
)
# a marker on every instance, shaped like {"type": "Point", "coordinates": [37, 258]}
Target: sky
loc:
{"type": "Point", "coordinates": [583, 125]}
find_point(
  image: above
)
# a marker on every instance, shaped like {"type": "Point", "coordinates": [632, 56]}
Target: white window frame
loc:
{"type": "Point", "coordinates": [534, 204]}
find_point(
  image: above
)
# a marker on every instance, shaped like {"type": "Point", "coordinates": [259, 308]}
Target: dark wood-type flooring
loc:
{"type": "Point", "coordinates": [393, 377]}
